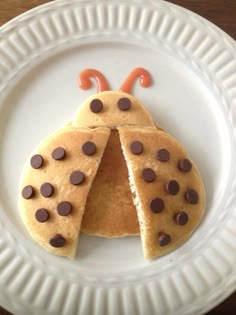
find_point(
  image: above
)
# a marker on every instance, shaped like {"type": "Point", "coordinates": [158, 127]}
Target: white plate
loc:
{"type": "Point", "coordinates": [193, 64]}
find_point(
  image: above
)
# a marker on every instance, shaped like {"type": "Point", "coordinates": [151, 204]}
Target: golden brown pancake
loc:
{"type": "Point", "coordinates": [109, 210]}
{"type": "Point", "coordinates": [111, 116]}
{"type": "Point", "coordinates": [52, 197]}
{"type": "Point", "coordinates": [169, 192]}
{"type": "Point", "coordinates": [137, 180]}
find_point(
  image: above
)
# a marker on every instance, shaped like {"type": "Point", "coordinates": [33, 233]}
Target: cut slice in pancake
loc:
{"type": "Point", "coordinates": [169, 192]}
{"type": "Point", "coordinates": [110, 211]}
{"type": "Point", "coordinates": [55, 184]}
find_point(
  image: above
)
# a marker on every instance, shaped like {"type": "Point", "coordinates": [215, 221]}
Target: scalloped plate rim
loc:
{"type": "Point", "coordinates": [33, 12]}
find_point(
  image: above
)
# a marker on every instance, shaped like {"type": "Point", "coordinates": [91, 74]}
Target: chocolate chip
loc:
{"type": "Point", "coordinates": [172, 187]}
{"type": "Point", "coordinates": [164, 239]}
{"type": "Point", "coordinates": [124, 103]}
{"type": "Point", "coordinates": [89, 148]}
{"type": "Point", "coordinates": [28, 192]}
{"type": "Point", "coordinates": [148, 175]}
{"type": "Point", "coordinates": [47, 190]}
{"type": "Point", "coordinates": [42, 215]}
{"type": "Point", "coordinates": [181, 218]}
{"type": "Point", "coordinates": [59, 153]}
{"type": "Point", "coordinates": [191, 196]}
{"type": "Point", "coordinates": [96, 105]}
{"type": "Point", "coordinates": [64, 208]}
{"type": "Point", "coordinates": [185, 165]}
{"type": "Point", "coordinates": [57, 241]}
{"type": "Point", "coordinates": [77, 178]}
{"type": "Point", "coordinates": [36, 161]}
{"type": "Point", "coordinates": [163, 155]}
{"type": "Point", "coordinates": [157, 205]}
{"type": "Point", "coordinates": [136, 147]}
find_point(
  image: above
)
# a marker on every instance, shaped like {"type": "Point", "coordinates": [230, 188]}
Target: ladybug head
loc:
{"type": "Point", "coordinates": [112, 108]}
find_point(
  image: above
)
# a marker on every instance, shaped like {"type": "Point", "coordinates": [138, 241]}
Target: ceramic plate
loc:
{"type": "Point", "coordinates": [193, 96]}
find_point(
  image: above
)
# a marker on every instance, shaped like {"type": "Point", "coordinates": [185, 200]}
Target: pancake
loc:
{"type": "Point", "coordinates": [111, 172]}
{"type": "Point", "coordinates": [109, 210]}
{"type": "Point", "coordinates": [55, 184]}
{"type": "Point", "coordinates": [169, 194]}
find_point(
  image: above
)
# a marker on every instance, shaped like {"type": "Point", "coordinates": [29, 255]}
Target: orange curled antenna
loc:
{"type": "Point", "coordinates": [142, 74]}
{"type": "Point", "coordinates": [85, 82]}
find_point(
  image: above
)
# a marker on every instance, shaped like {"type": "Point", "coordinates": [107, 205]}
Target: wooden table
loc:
{"type": "Point", "coordinates": [220, 12]}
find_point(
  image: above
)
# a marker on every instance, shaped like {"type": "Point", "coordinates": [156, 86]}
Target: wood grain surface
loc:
{"type": "Point", "coordinates": [220, 12]}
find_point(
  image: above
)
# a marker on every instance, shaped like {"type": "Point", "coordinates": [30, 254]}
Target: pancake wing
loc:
{"type": "Point", "coordinates": [55, 183]}
{"type": "Point", "coordinates": [168, 191]}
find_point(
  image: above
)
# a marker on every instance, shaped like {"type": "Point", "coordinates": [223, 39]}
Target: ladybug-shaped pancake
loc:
{"type": "Point", "coordinates": [111, 173]}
